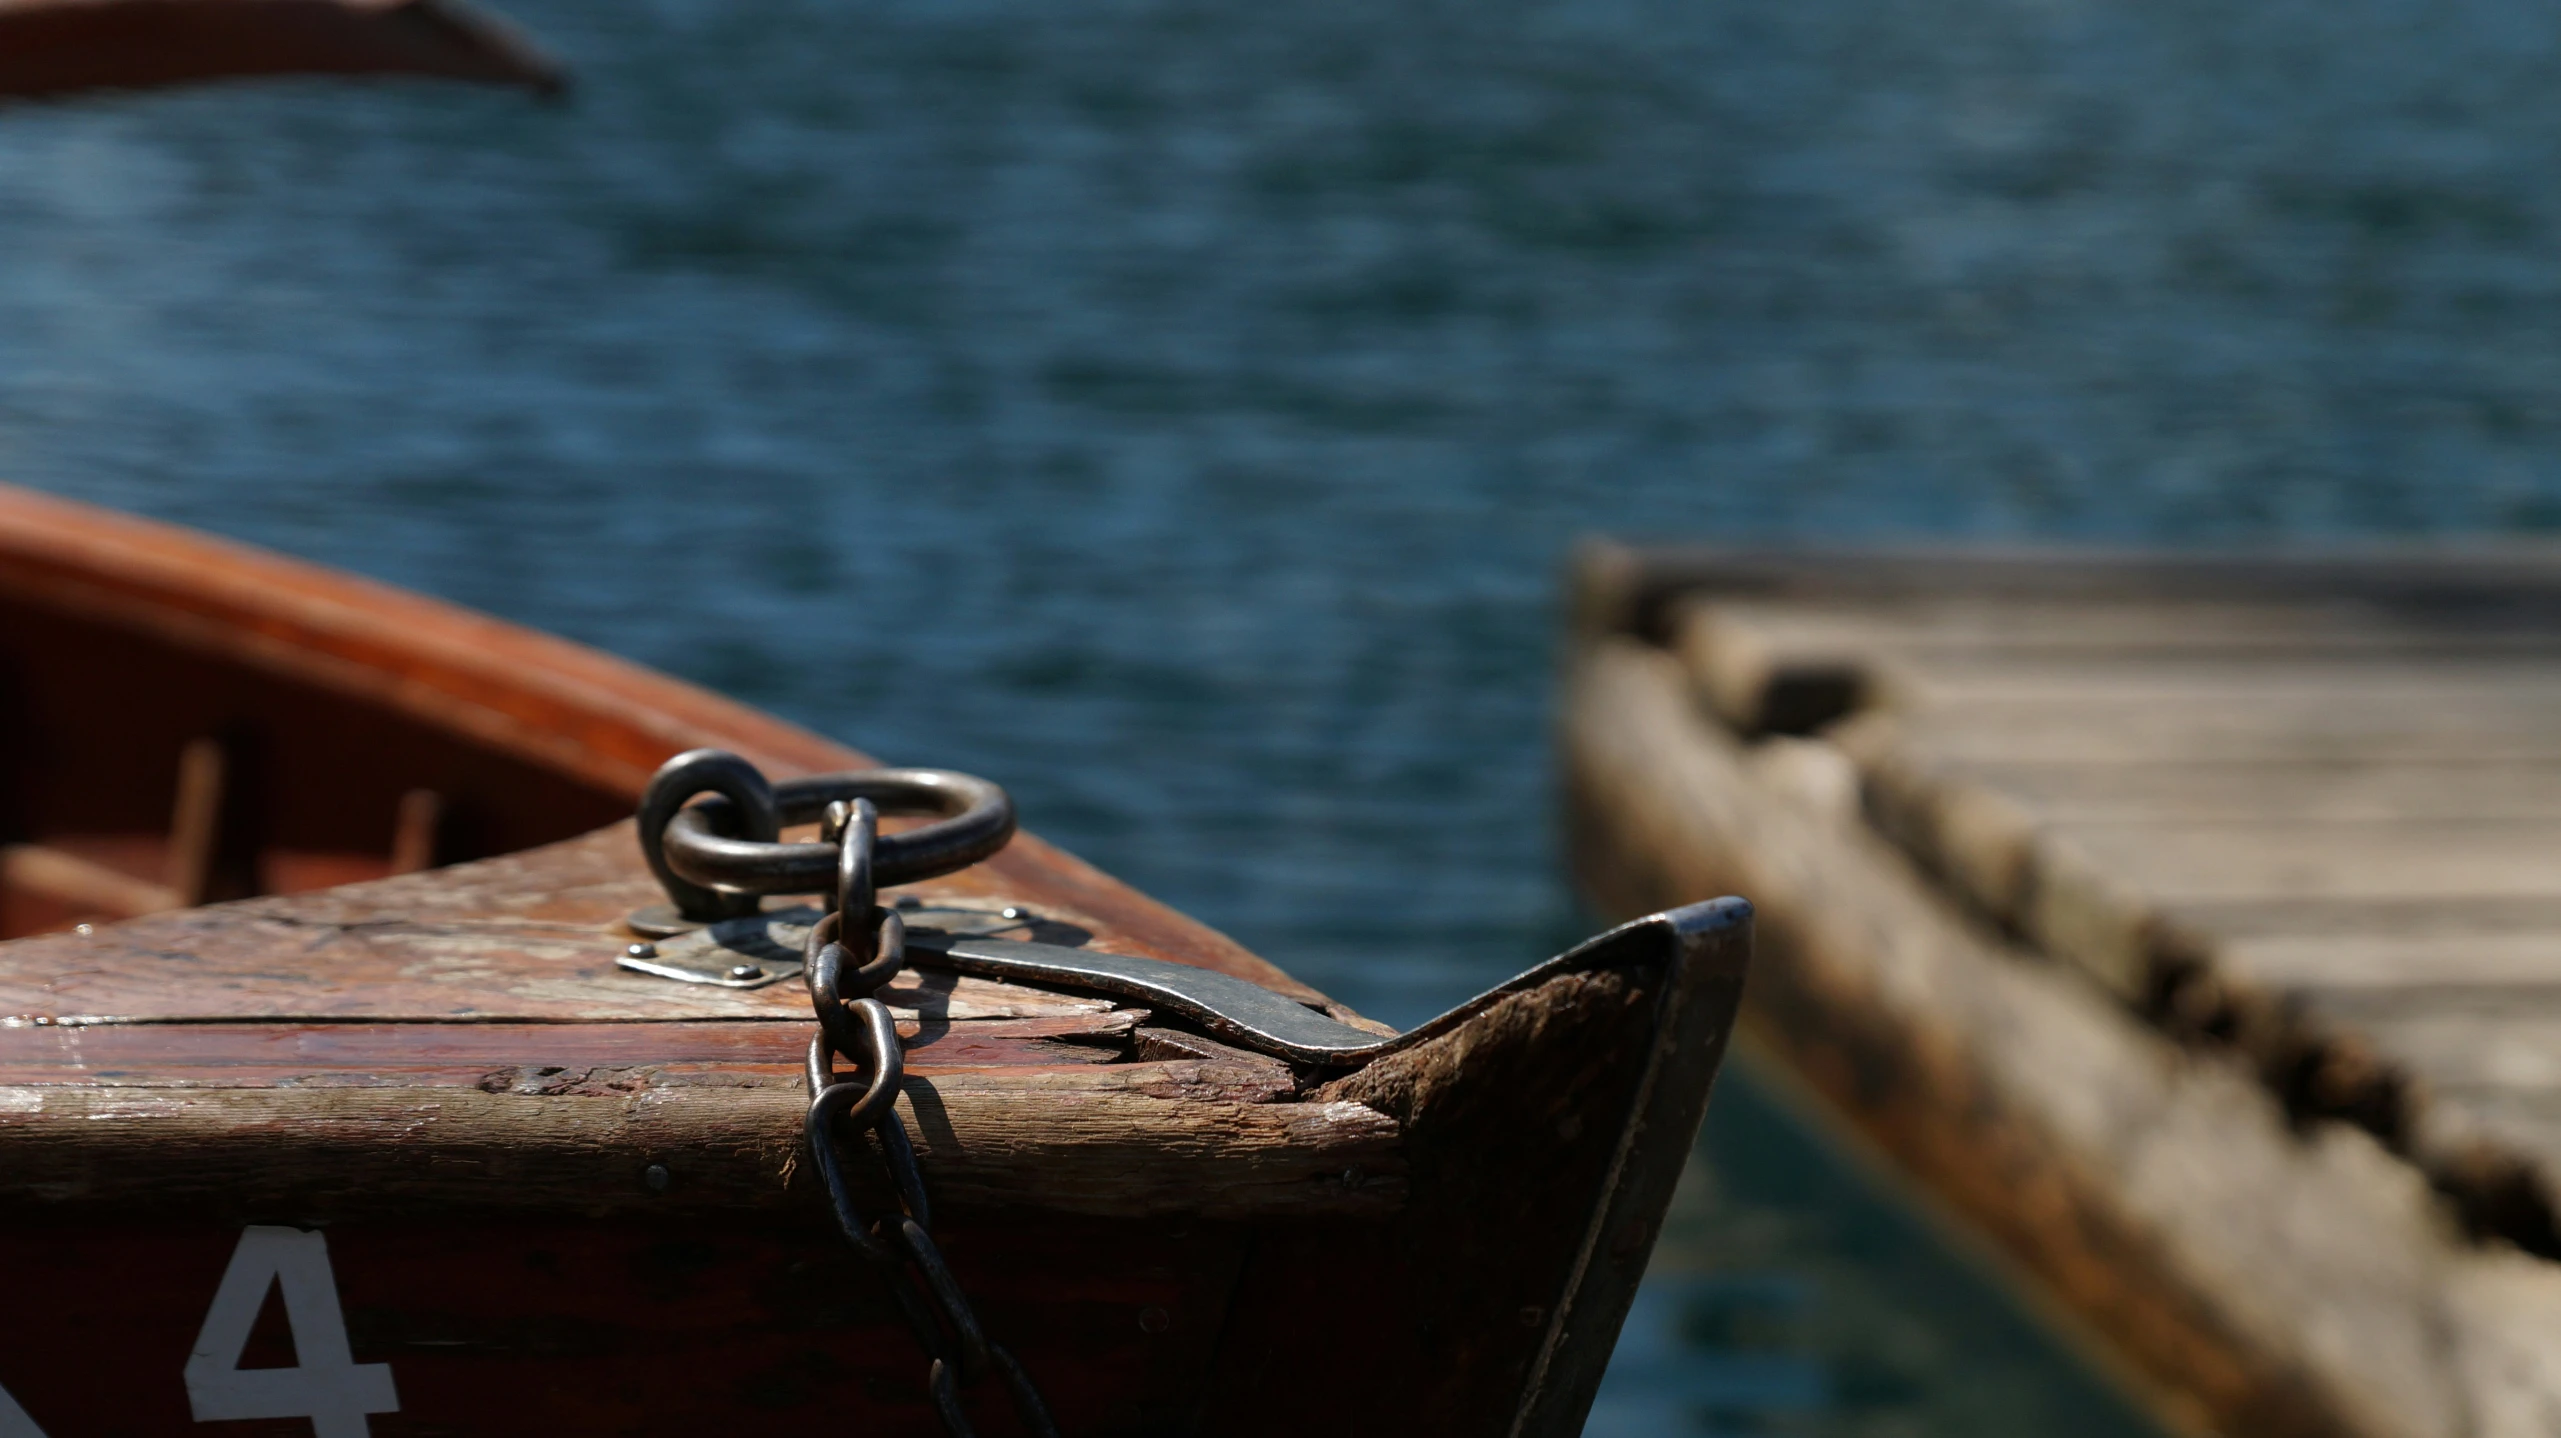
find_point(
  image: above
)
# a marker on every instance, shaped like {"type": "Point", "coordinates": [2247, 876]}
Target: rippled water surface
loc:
{"type": "Point", "coordinates": [1179, 412]}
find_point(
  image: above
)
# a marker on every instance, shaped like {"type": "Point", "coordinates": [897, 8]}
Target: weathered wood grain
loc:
{"type": "Point", "coordinates": [2242, 814]}
{"type": "Point", "coordinates": [1792, 666]}
{"type": "Point", "coordinates": [530, 936]}
{"type": "Point", "coordinates": [124, 639]}
{"type": "Point", "coordinates": [453, 1056]}
{"type": "Point", "coordinates": [2481, 584]}
{"type": "Point", "coordinates": [2308, 790]}
{"type": "Point", "coordinates": [2291, 811]}
{"type": "Point", "coordinates": [1542, 1142]}
{"type": "Point", "coordinates": [1173, 1138]}
{"type": "Point", "coordinates": [502, 1055]}
{"type": "Point", "coordinates": [2277, 1282]}
{"type": "Point", "coordinates": [2233, 730]}
{"type": "Point", "coordinates": [1949, 627]}
{"type": "Point", "coordinates": [2319, 959]}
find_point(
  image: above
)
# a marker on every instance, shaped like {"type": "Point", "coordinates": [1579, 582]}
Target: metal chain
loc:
{"type": "Point", "coordinates": [852, 952]}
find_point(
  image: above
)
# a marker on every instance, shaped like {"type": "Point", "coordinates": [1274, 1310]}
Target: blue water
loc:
{"type": "Point", "coordinates": [1179, 411]}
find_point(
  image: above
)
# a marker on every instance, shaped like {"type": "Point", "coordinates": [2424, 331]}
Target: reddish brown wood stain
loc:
{"type": "Point", "coordinates": [541, 1329]}
{"type": "Point", "coordinates": [120, 639]}
{"type": "Point", "coordinates": [476, 1055]}
{"type": "Point", "coordinates": [56, 47]}
{"type": "Point", "coordinates": [562, 1198]}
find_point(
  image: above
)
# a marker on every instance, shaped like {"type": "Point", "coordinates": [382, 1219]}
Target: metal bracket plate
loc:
{"type": "Point", "coordinates": [767, 948]}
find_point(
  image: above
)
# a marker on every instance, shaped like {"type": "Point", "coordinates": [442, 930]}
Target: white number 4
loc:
{"type": "Point", "coordinates": [327, 1385]}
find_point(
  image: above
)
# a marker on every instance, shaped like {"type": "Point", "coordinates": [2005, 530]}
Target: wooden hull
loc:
{"type": "Point", "coordinates": [51, 48]}
{"type": "Point", "coordinates": [551, 1196]}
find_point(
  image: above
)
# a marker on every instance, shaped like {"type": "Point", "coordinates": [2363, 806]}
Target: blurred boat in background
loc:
{"type": "Point", "coordinates": [2187, 921]}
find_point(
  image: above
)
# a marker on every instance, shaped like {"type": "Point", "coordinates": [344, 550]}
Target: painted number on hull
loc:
{"type": "Point", "coordinates": [327, 1385]}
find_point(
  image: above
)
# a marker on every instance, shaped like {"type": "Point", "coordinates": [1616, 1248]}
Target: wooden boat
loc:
{"type": "Point", "coordinates": [50, 48]}
{"type": "Point", "coordinates": [327, 1105]}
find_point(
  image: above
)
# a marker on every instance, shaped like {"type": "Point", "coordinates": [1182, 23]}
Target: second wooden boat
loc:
{"type": "Point", "coordinates": [358, 1075]}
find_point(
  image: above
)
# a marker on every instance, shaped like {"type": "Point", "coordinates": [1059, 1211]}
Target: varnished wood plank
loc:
{"type": "Point", "coordinates": [416, 831]}
{"type": "Point", "coordinates": [79, 883]}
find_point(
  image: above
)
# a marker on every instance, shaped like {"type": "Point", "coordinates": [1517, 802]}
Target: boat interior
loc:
{"type": "Point", "coordinates": [141, 774]}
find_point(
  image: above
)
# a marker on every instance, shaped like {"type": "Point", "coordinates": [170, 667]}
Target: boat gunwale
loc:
{"type": "Point", "coordinates": [545, 700]}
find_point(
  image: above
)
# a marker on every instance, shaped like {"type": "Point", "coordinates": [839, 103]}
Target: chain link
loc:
{"type": "Point", "coordinates": [855, 950]}
{"type": "Point", "coordinates": [713, 858]}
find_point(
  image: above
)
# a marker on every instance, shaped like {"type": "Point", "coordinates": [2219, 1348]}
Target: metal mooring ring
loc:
{"type": "Point", "coordinates": [701, 845]}
{"type": "Point", "coordinates": [746, 803]}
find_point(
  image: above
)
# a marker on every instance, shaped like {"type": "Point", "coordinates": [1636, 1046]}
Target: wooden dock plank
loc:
{"type": "Point", "coordinates": [1946, 626]}
{"type": "Point", "coordinates": [2312, 791]}
{"type": "Point", "coordinates": [2234, 731]}
{"type": "Point", "coordinates": [2479, 1037]}
{"type": "Point", "coordinates": [2298, 813]}
{"type": "Point", "coordinates": [2118, 775]}
{"type": "Point", "coordinates": [2166, 1201]}
{"type": "Point", "coordinates": [2395, 963]}
{"type": "Point", "coordinates": [1760, 661]}
{"type": "Point", "coordinates": [2287, 858]}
